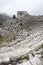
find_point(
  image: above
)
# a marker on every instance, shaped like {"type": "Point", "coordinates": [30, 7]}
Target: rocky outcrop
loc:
{"type": "Point", "coordinates": [21, 14]}
{"type": "Point", "coordinates": [21, 38]}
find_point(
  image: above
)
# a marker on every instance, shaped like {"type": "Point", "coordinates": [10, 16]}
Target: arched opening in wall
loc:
{"type": "Point", "coordinates": [20, 24]}
{"type": "Point", "coordinates": [11, 23]}
{"type": "Point", "coordinates": [21, 13]}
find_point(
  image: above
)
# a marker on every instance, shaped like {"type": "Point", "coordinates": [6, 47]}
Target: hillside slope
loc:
{"type": "Point", "coordinates": [21, 40]}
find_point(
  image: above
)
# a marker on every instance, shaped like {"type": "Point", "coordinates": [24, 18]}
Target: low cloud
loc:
{"type": "Point", "coordinates": [10, 7]}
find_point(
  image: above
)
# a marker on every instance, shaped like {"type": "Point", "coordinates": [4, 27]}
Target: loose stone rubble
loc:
{"type": "Point", "coordinates": [21, 40]}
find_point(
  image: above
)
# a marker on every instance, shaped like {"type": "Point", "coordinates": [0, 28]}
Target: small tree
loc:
{"type": "Point", "coordinates": [14, 16]}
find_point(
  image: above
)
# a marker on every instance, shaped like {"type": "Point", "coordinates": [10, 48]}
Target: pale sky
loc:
{"type": "Point", "coordinates": [34, 7]}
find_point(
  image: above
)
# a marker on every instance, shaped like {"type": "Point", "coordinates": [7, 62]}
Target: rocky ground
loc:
{"type": "Point", "coordinates": [21, 40]}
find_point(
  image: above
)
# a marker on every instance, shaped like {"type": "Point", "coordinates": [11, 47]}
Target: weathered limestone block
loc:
{"type": "Point", "coordinates": [21, 14]}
